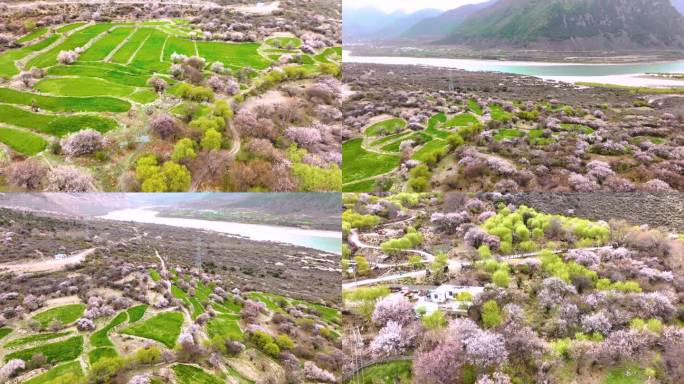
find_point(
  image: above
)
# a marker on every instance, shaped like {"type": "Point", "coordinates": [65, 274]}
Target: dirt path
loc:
{"type": "Point", "coordinates": [21, 63]}
{"type": "Point", "coordinates": [49, 264]}
{"type": "Point", "coordinates": [429, 258]}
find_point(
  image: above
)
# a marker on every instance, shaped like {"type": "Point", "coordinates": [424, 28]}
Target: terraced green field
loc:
{"type": "Point", "coordinates": [232, 55]}
{"type": "Point", "coordinates": [103, 47]}
{"type": "Point", "coordinates": [78, 39]}
{"type": "Point", "coordinates": [110, 76]}
{"type": "Point", "coordinates": [101, 353]}
{"type": "Point", "coordinates": [358, 164]}
{"type": "Point", "coordinates": [4, 332]}
{"type": "Point", "coordinates": [63, 104]}
{"type": "Point", "coordinates": [66, 350]}
{"type": "Point", "coordinates": [33, 35]}
{"type": "Point", "coordinates": [224, 325]}
{"type": "Point", "coordinates": [55, 374]}
{"type": "Point", "coordinates": [100, 338]}
{"type": "Point", "coordinates": [35, 338]}
{"type": "Point", "coordinates": [57, 125]}
{"type": "Point", "coordinates": [164, 328]}
{"type": "Point", "coordinates": [26, 143]}
{"type": "Point", "coordinates": [8, 58]}
{"type": "Point", "coordinates": [65, 314]}
{"type": "Point", "coordinates": [136, 313]}
{"type": "Point", "coordinates": [385, 127]}
{"type": "Point", "coordinates": [189, 374]}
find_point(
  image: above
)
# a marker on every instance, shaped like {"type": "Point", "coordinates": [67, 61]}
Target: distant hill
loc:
{"type": "Point", "coordinates": [581, 25]}
{"type": "Point", "coordinates": [440, 26]}
{"type": "Point", "coordinates": [399, 27]}
{"type": "Point", "coordinates": [274, 203]}
{"type": "Point", "coordinates": [372, 23]}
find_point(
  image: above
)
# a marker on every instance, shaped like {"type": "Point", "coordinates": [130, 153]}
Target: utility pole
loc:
{"type": "Point", "coordinates": [451, 81]}
{"type": "Point", "coordinates": [198, 255]}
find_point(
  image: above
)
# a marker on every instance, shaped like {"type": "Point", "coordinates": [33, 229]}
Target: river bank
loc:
{"type": "Point", "coordinates": [328, 241]}
{"type": "Point", "coordinates": [632, 75]}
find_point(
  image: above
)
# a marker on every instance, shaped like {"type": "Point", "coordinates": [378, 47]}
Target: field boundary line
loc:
{"type": "Point", "coordinates": [130, 59]}
{"type": "Point", "coordinates": [161, 54]}
{"type": "Point", "coordinates": [116, 49]}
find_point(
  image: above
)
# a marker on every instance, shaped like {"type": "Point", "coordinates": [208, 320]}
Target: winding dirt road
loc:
{"type": "Point", "coordinates": [48, 265]}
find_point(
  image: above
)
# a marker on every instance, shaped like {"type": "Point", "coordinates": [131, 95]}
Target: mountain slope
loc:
{"type": "Point", "coordinates": [440, 26]}
{"type": "Point", "coordinates": [679, 4]}
{"type": "Point", "coordinates": [362, 22]}
{"type": "Point", "coordinates": [574, 25]}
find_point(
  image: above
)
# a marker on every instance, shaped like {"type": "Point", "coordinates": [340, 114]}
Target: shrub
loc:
{"type": "Point", "coordinates": [271, 349]}
{"type": "Point", "coordinates": [65, 178]}
{"type": "Point", "coordinates": [105, 369]}
{"type": "Point", "coordinates": [484, 252]}
{"type": "Point", "coordinates": [284, 342]}
{"type": "Point", "coordinates": [500, 278]}
{"type": "Point", "coordinates": [28, 174]}
{"type": "Point", "coordinates": [195, 93]}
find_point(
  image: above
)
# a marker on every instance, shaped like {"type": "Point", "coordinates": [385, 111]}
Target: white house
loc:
{"type": "Point", "coordinates": [447, 292]}
{"type": "Point", "coordinates": [444, 297]}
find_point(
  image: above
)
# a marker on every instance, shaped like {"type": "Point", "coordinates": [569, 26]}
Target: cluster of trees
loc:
{"type": "Point", "coordinates": [526, 229]}
{"type": "Point", "coordinates": [32, 175]}
{"type": "Point", "coordinates": [410, 240]}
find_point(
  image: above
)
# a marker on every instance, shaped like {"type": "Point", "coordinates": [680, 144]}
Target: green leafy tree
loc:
{"type": "Point", "coordinates": [211, 140]}
{"type": "Point", "coordinates": [362, 266]}
{"type": "Point", "coordinates": [311, 178]}
{"type": "Point", "coordinates": [183, 150]}
{"type": "Point", "coordinates": [223, 109]}
{"type": "Point", "coordinates": [435, 320]}
{"type": "Point", "coordinates": [491, 314]}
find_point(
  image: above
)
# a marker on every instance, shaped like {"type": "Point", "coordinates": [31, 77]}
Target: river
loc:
{"type": "Point", "coordinates": [328, 241]}
{"type": "Point", "coordinates": [620, 74]}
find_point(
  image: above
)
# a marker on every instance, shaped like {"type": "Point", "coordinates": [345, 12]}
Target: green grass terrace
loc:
{"type": "Point", "coordinates": [110, 76]}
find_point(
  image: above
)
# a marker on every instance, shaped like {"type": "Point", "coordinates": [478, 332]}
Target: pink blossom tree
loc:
{"type": "Point", "coordinates": [442, 365]}
{"type": "Point", "coordinates": [65, 178]}
{"type": "Point", "coordinates": [393, 308]}
{"type": "Point", "coordinates": [313, 372]}
{"type": "Point", "coordinates": [82, 143]}
{"type": "Point", "coordinates": [389, 341]}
